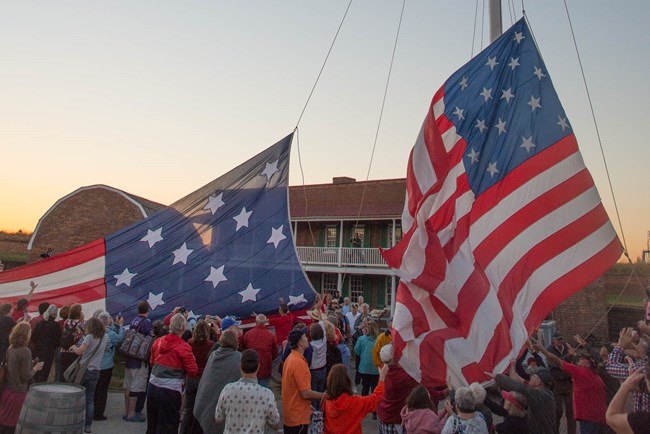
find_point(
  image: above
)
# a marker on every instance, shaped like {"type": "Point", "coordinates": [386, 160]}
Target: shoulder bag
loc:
{"type": "Point", "coordinates": [75, 372]}
{"type": "Point", "coordinates": [317, 423]}
{"type": "Point", "coordinates": [136, 345]}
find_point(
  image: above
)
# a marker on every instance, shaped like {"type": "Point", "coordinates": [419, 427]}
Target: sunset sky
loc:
{"type": "Point", "coordinates": [159, 98]}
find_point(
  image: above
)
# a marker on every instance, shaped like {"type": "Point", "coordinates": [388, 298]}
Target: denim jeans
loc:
{"type": "Point", "coordinates": [318, 377]}
{"type": "Point", "coordinates": [89, 381]}
{"type": "Point", "coordinates": [163, 410]}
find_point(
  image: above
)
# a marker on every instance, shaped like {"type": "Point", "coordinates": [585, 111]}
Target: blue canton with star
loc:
{"type": "Point", "coordinates": [498, 101]}
{"type": "Point", "coordinates": [226, 249]}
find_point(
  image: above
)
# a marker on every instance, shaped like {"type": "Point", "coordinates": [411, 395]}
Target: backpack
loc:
{"type": "Point", "coordinates": [67, 336]}
{"type": "Point", "coordinates": [332, 356]}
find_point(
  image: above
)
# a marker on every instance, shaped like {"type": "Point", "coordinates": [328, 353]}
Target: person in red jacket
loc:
{"type": "Point", "coordinates": [283, 324]}
{"type": "Point", "coordinates": [265, 343]}
{"type": "Point", "coordinates": [398, 386]}
{"type": "Point", "coordinates": [171, 360]}
{"type": "Point", "coordinates": [589, 402]}
{"type": "Point", "coordinates": [344, 411]}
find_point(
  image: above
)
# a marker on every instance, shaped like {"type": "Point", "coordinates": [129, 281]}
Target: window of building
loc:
{"type": "Point", "coordinates": [330, 282]}
{"type": "Point", "coordinates": [331, 237]}
{"type": "Point", "coordinates": [356, 287]}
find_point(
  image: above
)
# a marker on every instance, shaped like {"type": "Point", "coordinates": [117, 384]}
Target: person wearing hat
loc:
{"type": "Point", "coordinates": [538, 394]}
{"type": "Point", "coordinates": [589, 401]}
{"type": "Point", "coordinates": [296, 386]}
{"type": "Point", "coordinates": [260, 339]}
{"type": "Point", "coordinates": [513, 412]}
{"type": "Point", "coordinates": [562, 384]}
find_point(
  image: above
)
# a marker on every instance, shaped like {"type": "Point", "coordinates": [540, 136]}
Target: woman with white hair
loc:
{"type": "Point", "coordinates": [171, 361]}
{"type": "Point", "coordinates": [45, 339]}
{"type": "Point", "coordinates": [462, 414]}
{"type": "Point", "coordinates": [115, 334]}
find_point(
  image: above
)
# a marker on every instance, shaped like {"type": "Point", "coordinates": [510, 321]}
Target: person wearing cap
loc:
{"type": "Point", "coordinates": [589, 401]}
{"type": "Point", "coordinates": [562, 384]}
{"type": "Point", "coordinates": [296, 386]}
{"type": "Point", "coordinates": [538, 394]}
{"type": "Point", "coordinates": [513, 412]}
{"type": "Point", "coordinates": [265, 343]}
{"type": "Point", "coordinates": [245, 406]}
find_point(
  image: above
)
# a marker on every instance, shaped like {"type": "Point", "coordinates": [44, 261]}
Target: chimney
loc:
{"type": "Point", "coordinates": [343, 180]}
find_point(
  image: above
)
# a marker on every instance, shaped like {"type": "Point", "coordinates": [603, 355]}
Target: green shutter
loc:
{"type": "Point", "coordinates": [381, 291]}
{"type": "Point", "coordinates": [367, 288]}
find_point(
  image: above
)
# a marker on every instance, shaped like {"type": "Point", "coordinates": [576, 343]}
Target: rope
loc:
{"type": "Point", "coordinates": [600, 143]}
{"type": "Point", "coordinates": [324, 63]}
{"type": "Point", "coordinates": [304, 188]}
{"type": "Point", "coordinates": [381, 113]}
{"type": "Point", "coordinates": [474, 33]}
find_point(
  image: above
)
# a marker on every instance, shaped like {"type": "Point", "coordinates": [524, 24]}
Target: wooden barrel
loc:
{"type": "Point", "coordinates": [53, 408]}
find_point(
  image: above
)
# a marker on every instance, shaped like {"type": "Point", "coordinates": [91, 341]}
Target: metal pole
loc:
{"type": "Point", "coordinates": [495, 19]}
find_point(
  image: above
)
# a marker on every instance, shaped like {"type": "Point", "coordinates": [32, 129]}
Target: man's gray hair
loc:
{"type": "Point", "coordinates": [178, 324]}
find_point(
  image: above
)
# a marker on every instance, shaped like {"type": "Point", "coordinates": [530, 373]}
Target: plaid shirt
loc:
{"type": "Point", "coordinates": [383, 428]}
{"type": "Point", "coordinates": [618, 368]}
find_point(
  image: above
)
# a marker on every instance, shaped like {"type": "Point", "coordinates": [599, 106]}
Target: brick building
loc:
{"type": "Point", "coordinates": [84, 215]}
{"type": "Point", "coordinates": [326, 218]}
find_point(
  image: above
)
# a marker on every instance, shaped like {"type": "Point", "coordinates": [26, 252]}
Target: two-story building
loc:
{"type": "Point", "coordinates": [339, 229]}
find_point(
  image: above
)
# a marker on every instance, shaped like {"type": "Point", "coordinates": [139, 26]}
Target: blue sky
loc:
{"type": "Point", "coordinates": [159, 98]}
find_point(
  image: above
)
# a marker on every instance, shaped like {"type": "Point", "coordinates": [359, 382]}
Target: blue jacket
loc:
{"type": "Point", "coordinates": [363, 349]}
{"type": "Point", "coordinates": [115, 337]}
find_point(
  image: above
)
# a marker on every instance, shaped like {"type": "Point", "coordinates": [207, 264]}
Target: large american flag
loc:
{"type": "Point", "coordinates": [225, 249]}
{"type": "Point", "coordinates": [502, 220]}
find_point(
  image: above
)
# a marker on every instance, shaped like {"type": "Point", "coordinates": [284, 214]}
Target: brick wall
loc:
{"type": "Point", "coordinates": [81, 218]}
{"type": "Point", "coordinates": [602, 307]}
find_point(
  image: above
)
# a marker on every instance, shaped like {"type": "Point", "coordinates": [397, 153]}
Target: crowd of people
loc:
{"type": "Point", "coordinates": [335, 368]}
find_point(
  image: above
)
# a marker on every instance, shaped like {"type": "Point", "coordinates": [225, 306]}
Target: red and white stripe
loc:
{"type": "Point", "coordinates": [75, 276]}
{"type": "Point", "coordinates": [478, 275]}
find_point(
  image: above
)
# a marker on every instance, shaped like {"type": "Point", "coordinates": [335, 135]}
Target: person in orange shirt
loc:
{"type": "Point", "coordinates": [296, 386]}
{"type": "Point", "coordinates": [343, 410]}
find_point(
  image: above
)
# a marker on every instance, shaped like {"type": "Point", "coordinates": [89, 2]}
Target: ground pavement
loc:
{"type": "Point", "coordinates": [115, 424]}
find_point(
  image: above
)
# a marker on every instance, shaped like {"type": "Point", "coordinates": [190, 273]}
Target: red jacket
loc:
{"type": "Point", "coordinates": [283, 325]}
{"type": "Point", "coordinates": [262, 340]}
{"type": "Point", "coordinates": [344, 414]}
{"type": "Point", "coordinates": [398, 386]}
{"type": "Point", "coordinates": [172, 359]}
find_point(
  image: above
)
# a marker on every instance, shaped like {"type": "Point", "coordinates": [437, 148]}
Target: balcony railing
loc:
{"type": "Point", "coordinates": [341, 256]}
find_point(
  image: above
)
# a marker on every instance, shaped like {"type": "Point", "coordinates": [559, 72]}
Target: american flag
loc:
{"type": "Point", "coordinates": [225, 249]}
{"type": "Point", "coordinates": [502, 220]}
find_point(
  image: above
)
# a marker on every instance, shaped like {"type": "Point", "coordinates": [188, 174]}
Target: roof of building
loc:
{"type": "Point", "coordinates": [342, 199]}
{"type": "Point", "coordinates": [147, 207]}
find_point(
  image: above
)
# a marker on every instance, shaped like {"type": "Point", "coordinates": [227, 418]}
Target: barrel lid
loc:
{"type": "Point", "coordinates": [56, 387]}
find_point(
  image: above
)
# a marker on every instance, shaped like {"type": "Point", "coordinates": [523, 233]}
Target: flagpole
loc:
{"type": "Point", "coordinates": [495, 19]}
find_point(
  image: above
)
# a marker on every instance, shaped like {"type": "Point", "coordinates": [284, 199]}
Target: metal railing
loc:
{"type": "Point", "coordinates": [342, 256]}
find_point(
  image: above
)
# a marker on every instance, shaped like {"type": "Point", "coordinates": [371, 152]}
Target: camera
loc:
{"type": "Point", "coordinates": [182, 310]}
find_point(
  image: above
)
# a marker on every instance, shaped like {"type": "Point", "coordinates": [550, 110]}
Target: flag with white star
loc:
{"type": "Point", "coordinates": [225, 249]}
{"type": "Point", "coordinates": [502, 219]}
